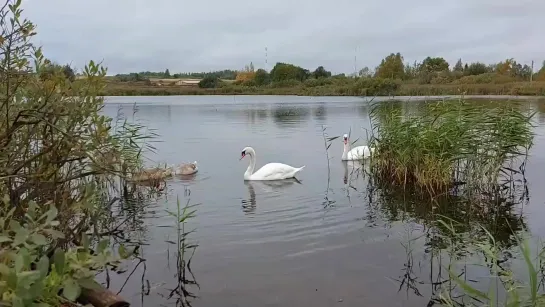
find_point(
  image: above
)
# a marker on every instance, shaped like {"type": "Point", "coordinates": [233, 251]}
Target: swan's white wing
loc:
{"type": "Point", "coordinates": [359, 152]}
{"type": "Point", "coordinates": [273, 171]}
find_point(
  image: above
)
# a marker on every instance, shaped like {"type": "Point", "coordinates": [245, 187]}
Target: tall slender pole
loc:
{"type": "Point", "coordinates": [266, 62]}
{"type": "Point", "coordinates": [355, 62]}
{"type": "Point", "coordinates": [532, 73]}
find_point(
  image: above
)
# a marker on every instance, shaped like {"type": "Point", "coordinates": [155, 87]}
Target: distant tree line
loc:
{"type": "Point", "coordinates": [387, 77]}
{"type": "Point", "coordinates": [391, 72]}
{"type": "Point", "coordinates": [436, 70]}
{"type": "Point", "coordinates": [281, 73]}
{"type": "Point", "coordinates": [226, 74]}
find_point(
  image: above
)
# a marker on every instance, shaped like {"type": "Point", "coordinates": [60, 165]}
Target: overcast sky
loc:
{"type": "Point", "coordinates": [181, 35]}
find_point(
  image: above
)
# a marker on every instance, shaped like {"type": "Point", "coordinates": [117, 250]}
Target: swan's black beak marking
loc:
{"type": "Point", "coordinates": [242, 155]}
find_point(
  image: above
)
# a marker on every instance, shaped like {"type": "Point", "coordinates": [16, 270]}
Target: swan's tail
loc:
{"type": "Point", "coordinates": [300, 169]}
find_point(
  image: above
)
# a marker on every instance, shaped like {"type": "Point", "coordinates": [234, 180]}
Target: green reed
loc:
{"type": "Point", "coordinates": [514, 292]}
{"type": "Point", "coordinates": [444, 143]}
{"type": "Point", "coordinates": [183, 265]}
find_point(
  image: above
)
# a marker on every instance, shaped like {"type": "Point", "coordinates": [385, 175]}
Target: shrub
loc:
{"type": "Point", "coordinates": [58, 158]}
{"type": "Point", "coordinates": [209, 82]}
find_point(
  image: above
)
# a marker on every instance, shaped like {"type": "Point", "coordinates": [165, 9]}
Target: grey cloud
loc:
{"type": "Point", "coordinates": [207, 35]}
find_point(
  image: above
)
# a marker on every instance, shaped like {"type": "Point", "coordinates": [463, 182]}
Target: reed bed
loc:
{"type": "Point", "coordinates": [441, 145]}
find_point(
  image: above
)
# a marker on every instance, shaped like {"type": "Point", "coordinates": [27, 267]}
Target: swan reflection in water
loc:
{"type": "Point", "coordinates": [357, 169]}
{"type": "Point", "coordinates": [267, 186]}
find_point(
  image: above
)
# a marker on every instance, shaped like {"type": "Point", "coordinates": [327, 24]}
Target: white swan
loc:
{"type": "Point", "coordinates": [269, 171]}
{"type": "Point", "coordinates": [356, 153]}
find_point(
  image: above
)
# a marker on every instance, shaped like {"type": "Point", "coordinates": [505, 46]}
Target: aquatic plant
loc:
{"type": "Point", "coordinates": [448, 144]}
{"type": "Point", "coordinates": [504, 289]}
{"type": "Point", "coordinates": [328, 141]}
{"type": "Point", "coordinates": [183, 264]}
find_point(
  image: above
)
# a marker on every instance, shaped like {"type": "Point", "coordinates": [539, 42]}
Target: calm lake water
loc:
{"type": "Point", "coordinates": [314, 243]}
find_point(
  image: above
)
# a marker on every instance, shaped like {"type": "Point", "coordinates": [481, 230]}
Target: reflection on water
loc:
{"type": "Point", "coordinates": [270, 188]}
{"type": "Point", "coordinates": [320, 242]}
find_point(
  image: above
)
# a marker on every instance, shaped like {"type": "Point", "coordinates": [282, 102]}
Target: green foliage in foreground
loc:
{"type": "Point", "coordinates": [58, 162]}
{"type": "Point", "coordinates": [447, 142]}
{"type": "Point", "coordinates": [501, 278]}
{"type": "Point", "coordinates": [30, 277]}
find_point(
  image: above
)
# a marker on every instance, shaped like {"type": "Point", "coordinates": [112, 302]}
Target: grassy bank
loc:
{"type": "Point", "coordinates": [342, 87]}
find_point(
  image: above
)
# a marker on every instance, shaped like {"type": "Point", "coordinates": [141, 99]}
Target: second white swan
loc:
{"type": "Point", "coordinates": [356, 153]}
{"type": "Point", "coordinates": [269, 171]}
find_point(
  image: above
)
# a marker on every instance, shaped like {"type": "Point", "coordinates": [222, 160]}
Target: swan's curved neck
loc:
{"type": "Point", "coordinates": [250, 169]}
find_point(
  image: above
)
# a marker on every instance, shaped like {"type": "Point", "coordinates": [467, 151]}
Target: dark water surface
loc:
{"type": "Point", "coordinates": [284, 244]}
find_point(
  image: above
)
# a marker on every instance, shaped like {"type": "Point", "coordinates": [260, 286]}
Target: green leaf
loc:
{"type": "Point", "coordinates": [43, 266]}
{"type": "Point", "coordinates": [12, 280]}
{"type": "Point", "coordinates": [467, 288]}
{"type": "Point", "coordinates": [36, 289]}
{"type": "Point", "coordinates": [4, 269]}
{"type": "Point", "coordinates": [4, 239]}
{"type": "Point", "coordinates": [51, 214]}
{"type": "Point", "coordinates": [85, 241]}
{"type": "Point", "coordinates": [32, 207]}
{"type": "Point", "coordinates": [26, 257]}
{"type": "Point", "coordinates": [5, 199]}
{"type": "Point", "coordinates": [20, 236]}
{"type": "Point", "coordinates": [123, 251]}
{"type": "Point", "coordinates": [27, 278]}
{"type": "Point", "coordinates": [102, 245]}
{"type": "Point", "coordinates": [88, 283]}
{"type": "Point", "coordinates": [39, 239]}
{"type": "Point", "coordinates": [17, 302]}
{"type": "Point", "coordinates": [19, 263]}
{"type": "Point", "coordinates": [58, 260]}
{"type": "Point", "coordinates": [14, 225]}
{"type": "Point", "coordinates": [71, 290]}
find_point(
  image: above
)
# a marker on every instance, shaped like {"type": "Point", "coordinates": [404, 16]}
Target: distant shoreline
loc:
{"type": "Point", "coordinates": [514, 89]}
{"type": "Point", "coordinates": [382, 98]}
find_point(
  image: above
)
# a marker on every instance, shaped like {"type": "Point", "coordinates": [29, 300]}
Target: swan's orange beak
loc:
{"type": "Point", "coordinates": [243, 155]}
{"type": "Point", "coordinates": [345, 141]}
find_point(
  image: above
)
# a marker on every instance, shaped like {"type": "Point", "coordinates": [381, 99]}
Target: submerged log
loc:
{"type": "Point", "coordinates": [101, 297]}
